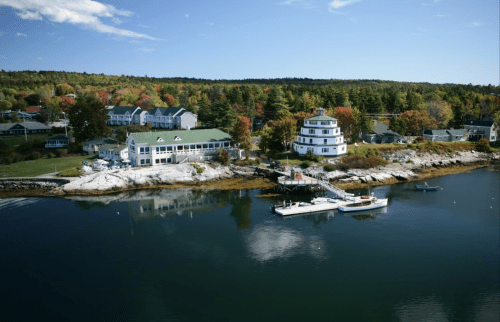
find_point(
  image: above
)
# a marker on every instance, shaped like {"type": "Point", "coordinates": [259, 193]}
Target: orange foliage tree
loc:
{"type": "Point", "coordinates": [416, 121]}
{"type": "Point", "coordinates": [241, 132]}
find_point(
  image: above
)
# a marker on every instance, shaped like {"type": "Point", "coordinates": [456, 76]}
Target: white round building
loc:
{"type": "Point", "coordinates": [321, 135]}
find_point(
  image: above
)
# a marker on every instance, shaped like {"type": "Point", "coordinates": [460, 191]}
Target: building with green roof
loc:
{"type": "Point", "coordinates": [320, 135]}
{"type": "Point", "coordinates": [167, 147]}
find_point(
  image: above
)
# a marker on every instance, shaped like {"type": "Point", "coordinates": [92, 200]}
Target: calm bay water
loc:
{"type": "Point", "coordinates": [223, 256]}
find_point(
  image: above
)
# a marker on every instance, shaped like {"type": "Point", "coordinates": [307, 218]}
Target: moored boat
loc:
{"type": "Point", "coordinates": [316, 205]}
{"type": "Point", "coordinates": [425, 187]}
{"type": "Point", "coordinates": [364, 203]}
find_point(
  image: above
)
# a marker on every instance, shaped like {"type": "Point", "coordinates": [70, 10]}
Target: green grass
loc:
{"type": "Point", "coordinates": [41, 166]}
{"type": "Point", "coordinates": [13, 141]}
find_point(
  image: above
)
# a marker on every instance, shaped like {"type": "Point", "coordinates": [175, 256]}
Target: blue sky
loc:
{"type": "Point", "coordinates": [436, 41]}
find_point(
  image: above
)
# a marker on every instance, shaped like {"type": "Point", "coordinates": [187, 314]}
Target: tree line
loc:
{"type": "Point", "coordinates": [218, 103]}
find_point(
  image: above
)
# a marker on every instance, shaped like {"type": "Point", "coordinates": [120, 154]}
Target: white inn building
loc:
{"type": "Point", "coordinates": [167, 147]}
{"type": "Point", "coordinates": [321, 135]}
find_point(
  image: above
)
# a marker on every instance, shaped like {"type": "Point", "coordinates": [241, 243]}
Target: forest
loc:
{"type": "Point", "coordinates": [407, 107]}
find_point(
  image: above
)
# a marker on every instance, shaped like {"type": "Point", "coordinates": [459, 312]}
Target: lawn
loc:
{"type": "Point", "coordinates": [13, 141]}
{"type": "Point", "coordinates": [38, 167]}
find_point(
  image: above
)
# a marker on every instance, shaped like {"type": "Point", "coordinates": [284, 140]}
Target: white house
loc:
{"type": "Point", "coordinates": [92, 146]}
{"type": "Point", "coordinates": [126, 115]}
{"type": "Point", "coordinates": [171, 118]}
{"type": "Point", "coordinates": [114, 152]}
{"type": "Point", "coordinates": [166, 147]}
{"type": "Point", "coordinates": [481, 129]}
{"type": "Point", "coordinates": [321, 135]}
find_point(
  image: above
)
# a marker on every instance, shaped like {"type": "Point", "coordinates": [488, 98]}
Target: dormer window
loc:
{"type": "Point", "coordinates": [159, 139]}
{"type": "Point", "coordinates": [177, 138]}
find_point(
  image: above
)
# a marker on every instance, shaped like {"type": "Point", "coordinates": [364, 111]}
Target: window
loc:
{"type": "Point", "coordinates": [205, 146]}
{"type": "Point", "coordinates": [311, 131]}
{"type": "Point", "coordinates": [180, 148]}
{"type": "Point", "coordinates": [313, 122]}
{"type": "Point", "coordinates": [163, 161]}
{"type": "Point", "coordinates": [192, 147]}
{"type": "Point", "coordinates": [325, 150]}
{"type": "Point", "coordinates": [324, 141]}
{"type": "Point", "coordinates": [226, 144]}
{"type": "Point", "coordinates": [144, 150]}
{"type": "Point", "coordinates": [161, 149]}
{"type": "Point", "coordinates": [343, 148]}
{"type": "Point", "coordinates": [198, 146]}
{"type": "Point", "coordinates": [157, 161]}
{"type": "Point", "coordinates": [211, 145]}
{"type": "Point", "coordinates": [325, 131]}
{"type": "Point", "coordinates": [169, 160]}
{"type": "Point", "coordinates": [325, 122]}
{"type": "Point", "coordinates": [310, 141]}
{"type": "Point", "coordinates": [169, 148]}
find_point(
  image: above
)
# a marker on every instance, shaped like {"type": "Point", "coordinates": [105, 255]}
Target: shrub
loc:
{"type": "Point", "coordinates": [410, 161]}
{"type": "Point", "coordinates": [24, 148]}
{"type": "Point", "coordinates": [200, 170]}
{"type": "Point", "coordinates": [38, 143]}
{"type": "Point", "coordinates": [329, 167]}
{"type": "Point", "coordinates": [258, 161]}
{"type": "Point", "coordinates": [16, 157]}
{"type": "Point", "coordinates": [75, 147]}
{"type": "Point", "coordinates": [222, 156]}
{"type": "Point", "coordinates": [358, 162]}
{"type": "Point", "coordinates": [419, 139]}
{"type": "Point", "coordinates": [483, 145]}
{"type": "Point", "coordinates": [305, 164]}
{"type": "Point", "coordinates": [61, 153]}
{"type": "Point", "coordinates": [34, 156]}
{"type": "Point", "coordinates": [71, 172]}
{"type": "Point", "coordinates": [51, 155]}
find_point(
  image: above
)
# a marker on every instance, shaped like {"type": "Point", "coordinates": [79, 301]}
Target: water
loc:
{"type": "Point", "coordinates": [222, 256]}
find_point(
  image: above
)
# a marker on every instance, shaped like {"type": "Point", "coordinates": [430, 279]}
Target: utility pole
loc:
{"type": "Point", "coordinates": [65, 128]}
{"type": "Point", "coordinates": [25, 134]}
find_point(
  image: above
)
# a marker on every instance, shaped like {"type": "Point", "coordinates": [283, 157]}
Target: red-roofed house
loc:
{"type": "Point", "coordinates": [33, 109]}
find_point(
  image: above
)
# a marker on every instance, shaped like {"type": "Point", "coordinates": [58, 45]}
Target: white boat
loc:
{"type": "Point", "coordinates": [364, 203]}
{"type": "Point", "coordinates": [316, 205]}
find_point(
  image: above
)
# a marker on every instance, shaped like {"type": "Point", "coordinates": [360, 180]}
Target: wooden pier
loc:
{"type": "Point", "coordinates": [289, 182]}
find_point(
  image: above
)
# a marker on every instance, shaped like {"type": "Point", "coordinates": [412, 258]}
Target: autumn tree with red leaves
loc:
{"type": "Point", "coordinates": [241, 132]}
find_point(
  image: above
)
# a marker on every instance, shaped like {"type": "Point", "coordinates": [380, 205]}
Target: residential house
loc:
{"type": "Point", "coordinates": [171, 118]}
{"type": "Point", "coordinates": [166, 147]}
{"type": "Point", "coordinates": [381, 134]}
{"type": "Point", "coordinates": [92, 146]}
{"type": "Point", "coordinates": [11, 129]}
{"type": "Point", "coordinates": [481, 129]}
{"type": "Point", "coordinates": [452, 135]}
{"type": "Point", "coordinates": [320, 135]}
{"type": "Point", "coordinates": [115, 152]}
{"type": "Point", "coordinates": [58, 141]}
{"type": "Point", "coordinates": [126, 115]}
{"type": "Point", "coordinates": [33, 109]}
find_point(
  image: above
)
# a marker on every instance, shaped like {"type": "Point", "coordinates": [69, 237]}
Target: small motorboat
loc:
{"type": "Point", "coordinates": [364, 203]}
{"type": "Point", "coordinates": [425, 187]}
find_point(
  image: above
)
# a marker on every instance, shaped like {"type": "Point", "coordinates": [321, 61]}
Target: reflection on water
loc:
{"type": "Point", "coordinates": [486, 307]}
{"type": "Point", "coordinates": [422, 310]}
{"type": "Point", "coordinates": [267, 242]}
{"type": "Point", "coordinates": [149, 204]}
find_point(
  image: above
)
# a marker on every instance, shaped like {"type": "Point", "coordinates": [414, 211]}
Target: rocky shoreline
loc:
{"type": "Point", "coordinates": [406, 165]}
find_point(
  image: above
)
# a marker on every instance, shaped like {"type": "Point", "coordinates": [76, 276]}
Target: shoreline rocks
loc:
{"type": "Point", "coordinates": [188, 174]}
